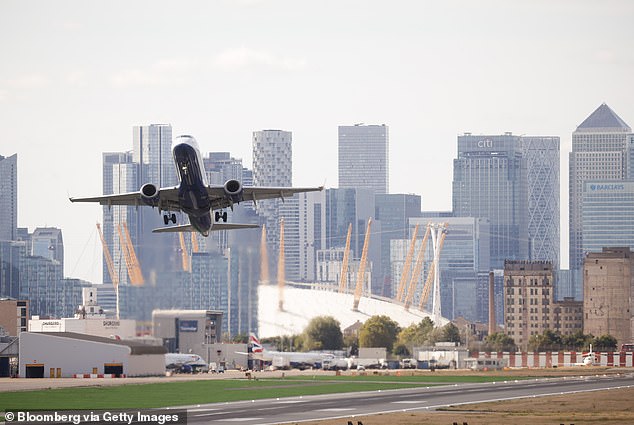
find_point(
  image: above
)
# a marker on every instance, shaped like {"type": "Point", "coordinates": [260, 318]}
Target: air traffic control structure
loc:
{"type": "Point", "coordinates": [286, 308]}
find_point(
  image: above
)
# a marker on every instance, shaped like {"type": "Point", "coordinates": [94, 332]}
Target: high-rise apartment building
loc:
{"type": "Point", "coordinates": [608, 288]}
{"type": "Point", "coordinates": [490, 181]}
{"type": "Point", "coordinates": [273, 166]}
{"type": "Point", "coordinates": [542, 164]}
{"type": "Point", "coordinates": [528, 300]}
{"type": "Point", "coordinates": [8, 197]}
{"type": "Point", "coordinates": [364, 157]}
{"type": "Point", "coordinates": [599, 147]}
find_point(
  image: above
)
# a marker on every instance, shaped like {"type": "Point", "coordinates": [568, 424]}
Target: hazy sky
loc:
{"type": "Point", "coordinates": [75, 76]}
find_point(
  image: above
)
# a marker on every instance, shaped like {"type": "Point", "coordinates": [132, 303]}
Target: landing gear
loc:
{"type": "Point", "coordinates": [220, 216]}
{"type": "Point", "coordinates": [167, 218]}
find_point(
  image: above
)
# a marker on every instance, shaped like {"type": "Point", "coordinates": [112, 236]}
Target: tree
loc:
{"type": "Point", "coordinates": [450, 333]}
{"type": "Point", "coordinates": [499, 341]}
{"type": "Point", "coordinates": [401, 350]}
{"type": "Point", "coordinates": [548, 341]}
{"type": "Point", "coordinates": [378, 331]}
{"type": "Point", "coordinates": [604, 343]}
{"type": "Point", "coordinates": [416, 334]}
{"type": "Point", "coordinates": [240, 339]}
{"type": "Point", "coordinates": [577, 341]}
{"type": "Point", "coordinates": [323, 333]}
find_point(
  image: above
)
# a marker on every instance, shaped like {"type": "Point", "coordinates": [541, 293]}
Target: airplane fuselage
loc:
{"type": "Point", "coordinates": [192, 192]}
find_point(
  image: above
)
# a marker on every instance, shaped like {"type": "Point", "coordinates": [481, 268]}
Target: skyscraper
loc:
{"type": "Point", "coordinates": [364, 157]}
{"type": "Point", "coordinates": [47, 242]}
{"type": "Point", "coordinates": [542, 164]}
{"type": "Point", "coordinates": [598, 153]}
{"type": "Point", "coordinates": [273, 166]}
{"type": "Point", "coordinates": [150, 161]}
{"type": "Point", "coordinates": [607, 215]}
{"type": "Point", "coordinates": [8, 197]}
{"type": "Point", "coordinates": [490, 181]}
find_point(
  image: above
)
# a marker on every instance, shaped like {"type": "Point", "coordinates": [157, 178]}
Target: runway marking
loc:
{"type": "Point", "coordinates": [201, 410]}
{"type": "Point", "coordinates": [290, 401]}
{"type": "Point", "coordinates": [336, 409]}
{"type": "Point", "coordinates": [409, 401]}
{"type": "Point", "coordinates": [240, 419]}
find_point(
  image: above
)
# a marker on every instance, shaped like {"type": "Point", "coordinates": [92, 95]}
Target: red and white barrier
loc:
{"type": "Point", "coordinates": [97, 375]}
{"type": "Point", "coordinates": [559, 359]}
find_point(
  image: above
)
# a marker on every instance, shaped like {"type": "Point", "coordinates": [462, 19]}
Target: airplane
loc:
{"type": "Point", "coordinates": [589, 359]}
{"type": "Point", "coordinates": [286, 359]}
{"type": "Point", "coordinates": [178, 360]}
{"type": "Point", "coordinates": [194, 196]}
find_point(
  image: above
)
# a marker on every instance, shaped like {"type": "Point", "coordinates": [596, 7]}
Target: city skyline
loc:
{"type": "Point", "coordinates": [76, 88]}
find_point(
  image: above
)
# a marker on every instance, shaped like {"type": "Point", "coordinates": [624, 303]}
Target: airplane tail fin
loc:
{"type": "Point", "coordinates": [255, 343]}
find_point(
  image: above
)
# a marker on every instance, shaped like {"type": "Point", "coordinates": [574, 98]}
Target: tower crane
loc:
{"type": "Point", "coordinates": [281, 272]}
{"type": "Point", "coordinates": [194, 242]}
{"type": "Point", "coordinates": [110, 265]}
{"type": "Point", "coordinates": [184, 254]}
{"type": "Point", "coordinates": [361, 273]}
{"type": "Point", "coordinates": [132, 263]}
{"type": "Point", "coordinates": [264, 258]}
{"type": "Point", "coordinates": [343, 279]}
{"type": "Point", "coordinates": [418, 267]}
{"type": "Point", "coordinates": [407, 267]}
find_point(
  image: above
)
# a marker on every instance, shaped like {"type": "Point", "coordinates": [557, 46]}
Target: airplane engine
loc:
{"type": "Point", "coordinates": [233, 191]}
{"type": "Point", "coordinates": [149, 194]}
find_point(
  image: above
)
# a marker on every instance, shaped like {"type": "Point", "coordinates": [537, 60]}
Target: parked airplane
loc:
{"type": "Point", "coordinates": [178, 360]}
{"type": "Point", "coordinates": [286, 359]}
{"type": "Point", "coordinates": [194, 196]}
{"type": "Point", "coordinates": [589, 359]}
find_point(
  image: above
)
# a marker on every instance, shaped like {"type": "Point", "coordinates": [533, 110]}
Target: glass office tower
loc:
{"type": "Point", "coordinates": [490, 181]}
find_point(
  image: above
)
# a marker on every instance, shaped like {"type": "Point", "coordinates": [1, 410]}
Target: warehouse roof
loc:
{"type": "Point", "coordinates": [136, 348]}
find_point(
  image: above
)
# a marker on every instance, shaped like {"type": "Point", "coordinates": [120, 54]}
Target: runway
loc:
{"type": "Point", "coordinates": [331, 406]}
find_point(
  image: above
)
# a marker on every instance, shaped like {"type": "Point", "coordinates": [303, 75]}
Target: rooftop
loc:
{"type": "Point", "coordinates": [604, 118]}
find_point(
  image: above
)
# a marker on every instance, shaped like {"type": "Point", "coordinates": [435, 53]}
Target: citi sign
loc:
{"type": "Point", "coordinates": [487, 143]}
{"type": "Point", "coordinates": [607, 187]}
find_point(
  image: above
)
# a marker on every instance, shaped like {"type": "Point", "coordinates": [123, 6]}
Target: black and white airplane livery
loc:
{"type": "Point", "coordinates": [194, 196]}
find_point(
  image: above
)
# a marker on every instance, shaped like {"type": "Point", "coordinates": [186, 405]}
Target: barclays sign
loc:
{"type": "Point", "coordinates": [595, 187]}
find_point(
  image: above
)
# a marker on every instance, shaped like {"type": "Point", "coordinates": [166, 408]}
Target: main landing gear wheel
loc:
{"type": "Point", "coordinates": [224, 216]}
{"type": "Point", "coordinates": [167, 218]}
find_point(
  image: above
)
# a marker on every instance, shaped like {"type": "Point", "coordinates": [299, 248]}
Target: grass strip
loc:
{"type": "Point", "coordinates": [180, 393]}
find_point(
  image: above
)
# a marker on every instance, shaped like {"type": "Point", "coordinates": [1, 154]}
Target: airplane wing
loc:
{"type": "Point", "coordinates": [166, 199]}
{"type": "Point", "coordinates": [255, 193]}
